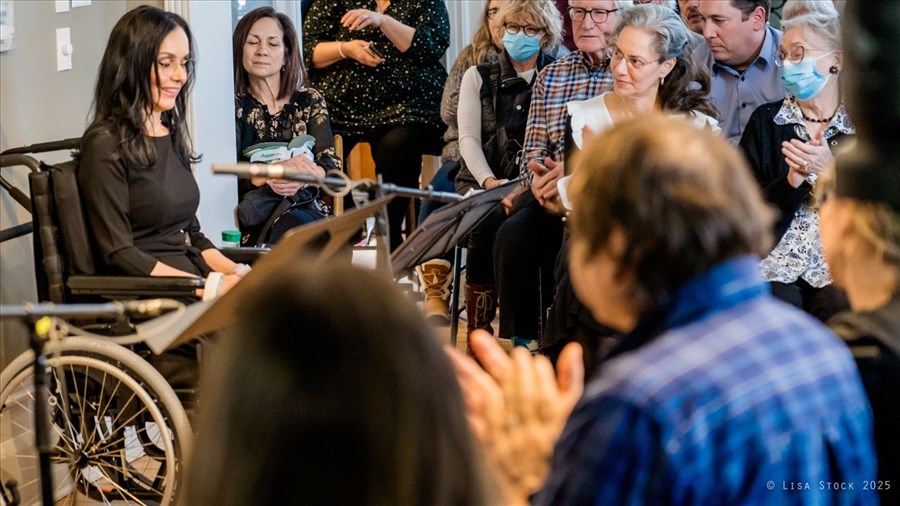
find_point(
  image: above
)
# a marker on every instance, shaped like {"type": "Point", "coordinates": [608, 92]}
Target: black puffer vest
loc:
{"type": "Point", "coordinates": [505, 100]}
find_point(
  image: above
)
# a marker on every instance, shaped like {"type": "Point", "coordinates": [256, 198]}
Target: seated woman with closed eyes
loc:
{"type": "Point", "coordinates": [273, 104]}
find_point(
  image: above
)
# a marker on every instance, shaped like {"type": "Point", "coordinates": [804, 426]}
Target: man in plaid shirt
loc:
{"type": "Point", "coordinates": [529, 241]}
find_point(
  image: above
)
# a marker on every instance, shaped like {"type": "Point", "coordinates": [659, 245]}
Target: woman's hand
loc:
{"type": "Point", "coordinates": [511, 197]}
{"type": "Point", "coordinates": [493, 182]}
{"type": "Point", "coordinates": [517, 409]}
{"type": "Point", "coordinates": [228, 282]}
{"type": "Point", "coordinates": [357, 19]}
{"type": "Point", "coordinates": [301, 164]}
{"type": "Point", "coordinates": [543, 185]}
{"type": "Point", "coordinates": [359, 51]}
{"type": "Point", "coordinates": [805, 158]}
{"type": "Point", "coordinates": [284, 187]}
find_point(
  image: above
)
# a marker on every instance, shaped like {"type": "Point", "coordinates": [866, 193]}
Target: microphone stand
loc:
{"type": "Point", "coordinates": [340, 185]}
{"type": "Point", "coordinates": [37, 317]}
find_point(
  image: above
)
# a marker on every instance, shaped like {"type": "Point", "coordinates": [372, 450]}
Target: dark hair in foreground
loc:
{"type": "Point", "coordinates": [122, 97]}
{"type": "Point", "coordinates": [294, 73]}
{"type": "Point", "coordinates": [683, 197]}
{"type": "Point", "coordinates": [331, 389]}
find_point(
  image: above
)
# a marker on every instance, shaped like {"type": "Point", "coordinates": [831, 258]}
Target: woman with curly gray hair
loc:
{"type": "Point", "coordinates": [650, 59]}
{"type": "Point", "coordinates": [653, 71]}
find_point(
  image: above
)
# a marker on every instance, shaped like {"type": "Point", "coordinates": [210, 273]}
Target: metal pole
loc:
{"type": "Point", "coordinates": [39, 330]}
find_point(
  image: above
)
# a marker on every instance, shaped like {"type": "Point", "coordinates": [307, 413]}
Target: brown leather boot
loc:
{"type": "Point", "coordinates": [435, 277]}
{"type": "Point", "coordinates": [481, 307]}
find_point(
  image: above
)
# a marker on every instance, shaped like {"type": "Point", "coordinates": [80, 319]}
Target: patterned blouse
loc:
{"type": "Point", "coordinates": [305, 113]}
{"type": "Point", "coordinates": [799, 255]}
{"type": "Point", "coordinates": [405, 89]}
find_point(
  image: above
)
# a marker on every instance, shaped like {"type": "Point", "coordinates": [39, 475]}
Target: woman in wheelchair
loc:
{"type": "Point", "coordinates": [273, 105]}
{"type": "Point", "coordinates": [134, 171]}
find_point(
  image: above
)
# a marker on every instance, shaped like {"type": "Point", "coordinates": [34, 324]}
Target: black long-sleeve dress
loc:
{"type": "Point", "coordinates": [141, 216]}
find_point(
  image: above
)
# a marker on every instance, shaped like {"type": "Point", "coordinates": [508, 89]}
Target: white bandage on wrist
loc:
{"type": "Point", "coordinates": [212, 286]}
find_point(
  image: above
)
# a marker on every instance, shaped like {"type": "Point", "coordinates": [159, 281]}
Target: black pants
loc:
{"type": "Point", "coordinates": [823, 303]}
{"type": "Point", "coordinates": [480, 243]}
{"type": "Point", "coordinates": [525, 250]}
{"type": "Point", "coordinates": [397, 152]}
{"type": "Point", "coordinates": [568, 320]}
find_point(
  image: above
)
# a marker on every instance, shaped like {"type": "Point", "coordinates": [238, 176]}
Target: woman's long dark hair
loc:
{"type": "Point", "coordinates": [123, 98]}
{"type": "Point", "coordinates": [294, 73]}
{"type": "Point", "coordinates": [687, 86]}
{"type": "Point", "coordinates": [331, 389]}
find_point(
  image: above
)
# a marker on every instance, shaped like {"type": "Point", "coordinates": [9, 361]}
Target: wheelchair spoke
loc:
{"type": "Point", "coordinates": [65, 409]}
{"type": "Point", "coordinates": [123, 492]}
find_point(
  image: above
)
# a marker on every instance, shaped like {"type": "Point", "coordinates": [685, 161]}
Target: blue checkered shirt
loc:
{"type": "Point", "coordinates": [569, 78]}
{"type": "Point", "coordinates": [743, 400]}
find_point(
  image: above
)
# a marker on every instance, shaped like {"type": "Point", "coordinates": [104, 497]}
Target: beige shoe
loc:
{"type": "Point", "coordinates": [435, 277]}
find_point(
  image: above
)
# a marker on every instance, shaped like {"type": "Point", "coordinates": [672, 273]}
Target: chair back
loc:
{"type": "Point", "coordinates": [62, 244]}
{"type": "Point", "coordinates": [339, 150]}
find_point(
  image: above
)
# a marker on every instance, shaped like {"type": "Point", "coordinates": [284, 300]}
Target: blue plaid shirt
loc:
{"type": "Point", "coordinates": [569, 78]}
{"type": "Point", "coordinates": [742, 400]}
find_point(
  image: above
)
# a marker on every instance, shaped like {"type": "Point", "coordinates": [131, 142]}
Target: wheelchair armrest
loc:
{"type": "Point", "coordinates": [244, 255]}
{"type": "Point", "coordinates": [135, 286]}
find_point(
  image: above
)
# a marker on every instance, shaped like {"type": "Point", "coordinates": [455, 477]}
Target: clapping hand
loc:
{"type": "Point", "coordinates": [517, 408]}
{"type": "Point", "coordinates": [805, 158]}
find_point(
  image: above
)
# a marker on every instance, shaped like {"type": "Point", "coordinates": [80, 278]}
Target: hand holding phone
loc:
{"type": "Point", "coordinates": [374, 52]}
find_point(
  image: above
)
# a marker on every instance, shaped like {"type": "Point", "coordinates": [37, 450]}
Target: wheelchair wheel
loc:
{"type": "Point", "coordinates": [118, 430]}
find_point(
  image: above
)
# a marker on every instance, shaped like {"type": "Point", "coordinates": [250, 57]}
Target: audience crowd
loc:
{"type": "Point", "coordinates": [698, 271]}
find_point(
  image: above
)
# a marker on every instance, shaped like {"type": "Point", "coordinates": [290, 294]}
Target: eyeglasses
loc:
{"type": "Point", "coordinates": [796, 55]}
{"type": "Point", "coordinates": [167, 67]}
{"type": "Point", "coordinates": [530, 30]}
{"type": "Point", "coordinates": [598, 15]}
{"type": "Point", "coordinates": [492, 12]}
{"type": "Point", "coordinates": [633, 62]}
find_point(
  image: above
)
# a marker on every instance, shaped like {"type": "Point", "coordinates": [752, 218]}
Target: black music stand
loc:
{"type": "Point", "coordinates": [314, 243]}
{"type": "Point", "coordinates": [442, 231]}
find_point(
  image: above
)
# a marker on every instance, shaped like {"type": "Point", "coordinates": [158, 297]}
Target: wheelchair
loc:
{"type": "Point", "coordinates": [118, 431]}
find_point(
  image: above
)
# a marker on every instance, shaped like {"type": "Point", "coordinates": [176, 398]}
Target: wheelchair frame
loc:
{"type": "Point", "coordinates": [117, 430]}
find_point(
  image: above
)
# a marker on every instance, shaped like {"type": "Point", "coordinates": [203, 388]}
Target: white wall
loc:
{"type": "Point", "coordinates": [213, 113]}
{"type": "Point", "coordinates": [465, 16]}
{"type": "Point", "coordinates": [39, 104]}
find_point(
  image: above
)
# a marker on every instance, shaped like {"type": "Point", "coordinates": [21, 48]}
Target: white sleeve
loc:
{"type": "Point", "coordinates": [468, 117]}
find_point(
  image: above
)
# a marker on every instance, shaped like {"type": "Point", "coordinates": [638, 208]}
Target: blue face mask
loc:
{"type": "Point", "coordinates": [521, 47]}
{"type": "Point", "coordinates": [802, 79]}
